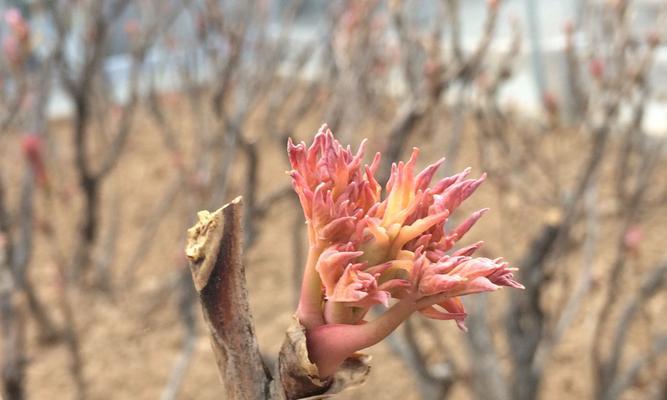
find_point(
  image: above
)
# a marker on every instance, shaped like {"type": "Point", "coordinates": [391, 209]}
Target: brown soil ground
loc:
{"type": "Point", "coordinates": [131, 338]}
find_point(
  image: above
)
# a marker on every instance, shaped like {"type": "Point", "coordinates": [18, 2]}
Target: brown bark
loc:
{"type": "Point", "coordinates": [215, 252]}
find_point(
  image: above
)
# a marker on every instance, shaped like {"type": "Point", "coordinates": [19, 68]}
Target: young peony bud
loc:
{"type": "Point", "coordinates": [31, 146]}
{"type": "Point", "coordinates": [16, 45]}
{"type": "Point", "coordinates": [653, 38]}
{"type": "Point", "coordinates": [550, 102]}
{"type": "Point", "coordinates": [596, 68]}
{"type": "Point", "coordinates": [132, 29]}
{"type": "Point", "coordinates": [632, 239]}
{"type": "Point", "coordinates": [17, 24]}
{"type": "Point", "coordinates": [12, 52]}
{"type": "Point", "coordinates": [367, 250]}
{"type": "Point", "coordinates": [493, 4]}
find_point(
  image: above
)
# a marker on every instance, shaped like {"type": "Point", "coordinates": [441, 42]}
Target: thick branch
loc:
{"type": "Point", "coordinates": [214, 251]}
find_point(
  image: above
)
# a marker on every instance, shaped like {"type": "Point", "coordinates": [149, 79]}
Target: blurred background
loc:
{"type": "Point", "coordinates": [120, 119]}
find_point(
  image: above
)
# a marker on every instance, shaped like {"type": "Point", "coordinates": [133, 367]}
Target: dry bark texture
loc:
{"type": "Point", "coordinates": [214, 249]}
